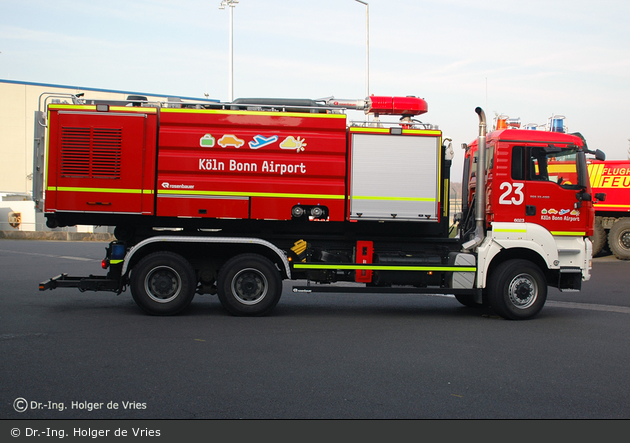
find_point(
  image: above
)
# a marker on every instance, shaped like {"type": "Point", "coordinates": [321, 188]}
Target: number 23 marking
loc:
{"type": "Point", "coordinates": [507, 198]}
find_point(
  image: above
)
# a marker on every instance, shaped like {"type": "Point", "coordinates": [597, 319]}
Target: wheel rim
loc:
{"type": "Point", "coordinates": [624, 239]}
{"type": "Point", "coordinates": [163, 284]}
{"type": "Point", "coordinates": [249, 286]}
{"type": "Point", "coordinates": [523, 291]}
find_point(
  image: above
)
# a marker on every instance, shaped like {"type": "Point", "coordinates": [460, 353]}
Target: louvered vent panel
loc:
{"type": "Point", "coordinates": [75, 152]}
{"type": "Point", "coordinates": [91, 152]}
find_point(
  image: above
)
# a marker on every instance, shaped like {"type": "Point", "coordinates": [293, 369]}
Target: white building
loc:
{"type": "Point", "coordinates": [18, 103]}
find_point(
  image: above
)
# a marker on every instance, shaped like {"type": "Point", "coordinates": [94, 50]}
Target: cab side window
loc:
{"type": "Point", "coordinates": [529, 163]}
{"type": "Point", "coordinates": [518, 163]}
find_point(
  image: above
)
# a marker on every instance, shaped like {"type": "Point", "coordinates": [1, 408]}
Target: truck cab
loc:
{"type": "Point", "coordinates": [537, 207]}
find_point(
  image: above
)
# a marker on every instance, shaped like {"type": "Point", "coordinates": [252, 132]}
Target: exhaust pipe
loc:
{"type": "Point", "coordinates": [480, 187]}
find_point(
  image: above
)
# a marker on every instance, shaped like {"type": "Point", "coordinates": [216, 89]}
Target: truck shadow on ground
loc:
{"type": "Point", "coordinates": [328, 306]}
{"type": "Point", "coordinates": [352, 306]}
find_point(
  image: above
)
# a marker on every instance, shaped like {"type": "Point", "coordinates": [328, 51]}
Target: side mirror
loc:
{"type": "Point", "coordinates": [583, 196]}
{"type": "Point", "coordinates": [600, 196]}
{"type": "Point", "coordinates": [600, 155]}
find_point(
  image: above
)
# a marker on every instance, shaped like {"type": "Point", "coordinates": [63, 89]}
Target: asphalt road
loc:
{"type": "Point", "coordinates": [72, 355]}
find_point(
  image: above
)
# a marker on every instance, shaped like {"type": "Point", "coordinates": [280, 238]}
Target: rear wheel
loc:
{"type": "Point", "coordinates": [249, 285]}
{"type": "Point", "coordinates": [517, 290]}
{"type": "Point", "coordinates": [163, 283]}
{"type": "Point", "coordinates": [619, 239]}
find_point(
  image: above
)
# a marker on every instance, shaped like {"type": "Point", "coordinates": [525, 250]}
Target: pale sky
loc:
{"type": "Point", "coordinates": [527, 59]}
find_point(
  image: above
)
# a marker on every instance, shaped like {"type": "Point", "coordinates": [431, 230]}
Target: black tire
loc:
{"type": "Point", "coordinates": [249, 285]}
{"type": "Point", "coordinates": [517, 290]}
{"type": "Point", "coordinates": [163, 283]}
{"type": "Point", "coordinates": [619, 239]}
{"type": "Point", "coordinates": [599, 236]}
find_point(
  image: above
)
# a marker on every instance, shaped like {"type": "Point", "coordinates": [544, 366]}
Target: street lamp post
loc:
{"type": "Point", "coordinates": [367, 50]}
{"type": "Point", "coordinates": [232, 5]}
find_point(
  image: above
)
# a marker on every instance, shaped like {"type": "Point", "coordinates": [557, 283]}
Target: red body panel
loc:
{"type": "Point", "coordinates": [232, 164]}
{"type": "Point", "coordinates": [101, 162]}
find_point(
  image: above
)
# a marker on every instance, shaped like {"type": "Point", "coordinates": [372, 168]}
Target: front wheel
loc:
{"type": "Point", "coordinates": [163, 283]}
{"type": "Point", "coordinates": [249, 285]}
{"type": "Point", "coordinates": [517, 289]}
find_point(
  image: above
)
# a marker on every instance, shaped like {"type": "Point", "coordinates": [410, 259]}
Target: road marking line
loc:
{"type": "Point", "coordinates": [589, 306]}
{"type": "Point", "coordinates": [49, 255]}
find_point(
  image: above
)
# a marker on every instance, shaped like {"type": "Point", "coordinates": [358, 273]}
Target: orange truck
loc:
{"type": "Point", "coordinates": [612, 216]}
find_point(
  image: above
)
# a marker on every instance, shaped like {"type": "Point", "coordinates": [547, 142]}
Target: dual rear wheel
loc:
{"type": "Point", "coordinates": [164, 283]}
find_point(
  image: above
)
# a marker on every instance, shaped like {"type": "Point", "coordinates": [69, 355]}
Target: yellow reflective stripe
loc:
{"type": "Point", "coordinates": [106, 190]}
{"type": "Point", "coordinates": [212, 193]}
{"type": "Point", "coordinates": [147, 110]}
{"type": "Point", "coordinates": [522, 231]}
{"type": "Point", "coordinates": [251, 194]}
{"type": "Point", "coordinates": [374, 197]}
{"type": "Point", "coordinates": [267, 113]}
{"type": "Point", "coordinates": [143, 110]}
{"type": "Point", "coordinates": [376, 130]}
{"type": "Point", "coordinates": [580, 234]}
{"type": "Point", "coordinates": [422, 132]}
{"type": "Point", "coordinates": [595, 174]}
{"type": "Point", "coordinates": [115, 262]}
{"type": "Point", "coordinates": [82, 107]}
{"type": "Point", "coordinates": [385, 267]}
{"type": "Point", "coordinates": [405, 131]}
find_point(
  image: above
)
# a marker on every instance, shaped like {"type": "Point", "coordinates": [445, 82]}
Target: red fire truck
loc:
{"type": "Point", "coordinates": [233, 198]}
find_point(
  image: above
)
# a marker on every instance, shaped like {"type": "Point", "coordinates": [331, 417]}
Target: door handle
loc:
{"type": "Point", "coordinates": [530, 210]}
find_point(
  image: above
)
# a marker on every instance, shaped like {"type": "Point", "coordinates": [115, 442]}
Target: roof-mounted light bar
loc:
{"type": "Point", "coordinates": [382, 105]}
